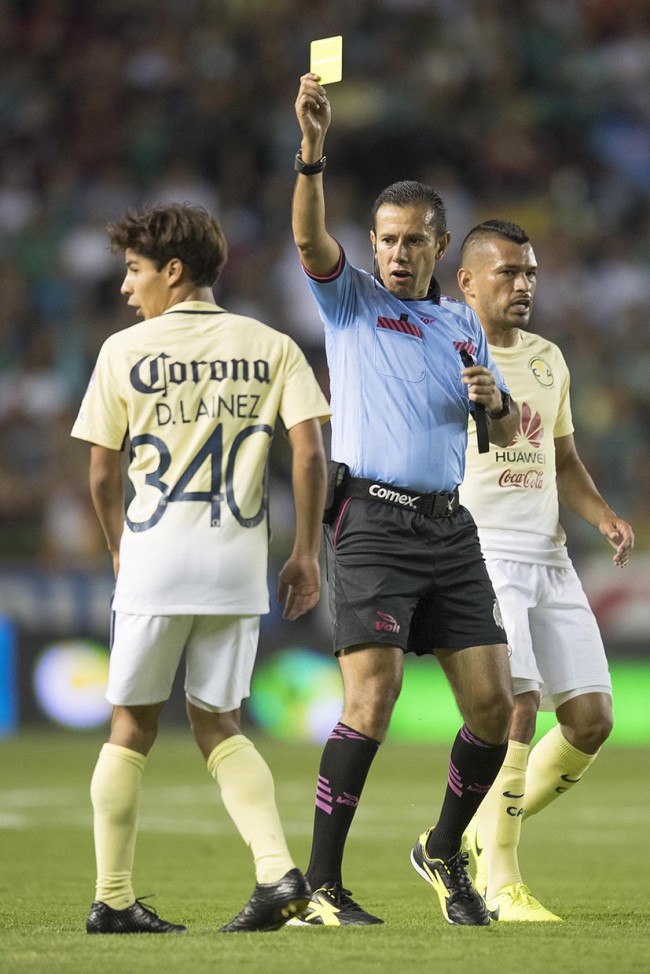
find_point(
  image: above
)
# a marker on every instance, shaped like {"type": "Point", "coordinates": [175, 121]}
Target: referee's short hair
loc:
{"type": "Point", "coordinates": [494, 228]}
{"type": "Point", "coordinates": [163, 231]}
{"type": "Point", "coordinates": [408, 192]}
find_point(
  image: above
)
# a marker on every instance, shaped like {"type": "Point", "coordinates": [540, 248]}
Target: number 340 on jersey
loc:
{"type": "Point", "coordinates": [221, 476]}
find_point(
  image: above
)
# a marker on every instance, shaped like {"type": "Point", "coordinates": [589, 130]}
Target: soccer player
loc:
{"type": "Point", "coordinates": [514, 494]}
{"type": "Point", "coordinates": [198, 392]}
{"type": "Point", "coordinates": [404, 564]}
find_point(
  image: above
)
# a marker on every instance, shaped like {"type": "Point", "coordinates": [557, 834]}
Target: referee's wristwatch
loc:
{"type": "Point", "coordinates": [505, 408]}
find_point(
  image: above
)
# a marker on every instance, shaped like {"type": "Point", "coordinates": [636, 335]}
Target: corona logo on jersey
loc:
{"type": "Point", "coordinates": [156, 373]}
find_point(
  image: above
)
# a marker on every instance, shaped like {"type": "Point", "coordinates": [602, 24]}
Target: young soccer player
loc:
{"type": "Point", "coordinates": [198, 393]}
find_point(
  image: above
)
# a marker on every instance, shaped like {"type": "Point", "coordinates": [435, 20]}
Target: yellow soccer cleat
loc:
{"type": "Point", "coordinates": [516, 904]}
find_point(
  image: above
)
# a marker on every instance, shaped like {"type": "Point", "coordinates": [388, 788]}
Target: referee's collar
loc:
{"type": "Point", "coordinates": [433, 294]}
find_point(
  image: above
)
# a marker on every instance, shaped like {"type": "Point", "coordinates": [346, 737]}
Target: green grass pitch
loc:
{"type": "Point", "coordinates": [587, 857]}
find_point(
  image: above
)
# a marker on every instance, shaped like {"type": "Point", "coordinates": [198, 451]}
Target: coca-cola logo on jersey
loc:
{"type": "Point", "coordinates": [527, 479]}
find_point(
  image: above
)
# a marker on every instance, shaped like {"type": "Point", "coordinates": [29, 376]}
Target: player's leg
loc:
{"type": "Point", "coordinates": [115, 792]}
{"type": "Point", "coordinates": [559, 760]}
{"type": "Point", "coordinates": [220, 655]}
{"type": "Point", "coordinates": [247, 789]}
{"type": "Point", "coordinates": [532, 779]}
{"type": "Point", "coordinates": [555, 645]}
{"type": "Point", "coordinates": [144, 658]}
{"type": "Point", "coordinates": [577, 685]}
{"type": "Point", "coordinates": [372, 679]}
{"type": "Point", "coordinates": [493, 836]}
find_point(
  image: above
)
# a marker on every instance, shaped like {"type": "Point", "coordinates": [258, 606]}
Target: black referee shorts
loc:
{"type": "Point", "coordinates": [407, 580]}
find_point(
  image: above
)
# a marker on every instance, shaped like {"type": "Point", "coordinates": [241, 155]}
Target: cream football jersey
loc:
{"type": "Point", "coordinates": [511, 491]}
{"type": "Point", "coordinates": [197, 392]}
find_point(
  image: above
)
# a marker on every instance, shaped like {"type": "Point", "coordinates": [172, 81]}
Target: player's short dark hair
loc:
{"type": "Point", "coordinates": [408, 192]}
{"type": "Point", "coordinates": [494, 228]}
{"type": "Point", "coordinates": [163, 231]}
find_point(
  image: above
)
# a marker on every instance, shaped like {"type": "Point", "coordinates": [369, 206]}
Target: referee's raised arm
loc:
{"type": "Point", "coordinates": [319, 252]}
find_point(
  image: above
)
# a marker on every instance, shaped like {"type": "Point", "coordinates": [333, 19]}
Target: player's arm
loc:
{"type": "Point", "coordinates": [299, 581]}
{"type": "Point", "coordinates": [107, 492]}
{"type": "Point", "coordinates": [319, 252]}
{"type": "Point", "coordinates": [578, 493]}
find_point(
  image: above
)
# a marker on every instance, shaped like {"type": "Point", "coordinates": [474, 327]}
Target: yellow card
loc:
{"type": "Point", "coordinates": [326, 59]}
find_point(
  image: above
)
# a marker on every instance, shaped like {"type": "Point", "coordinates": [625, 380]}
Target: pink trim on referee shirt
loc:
{"type": "Point", "coordinates": [400, 324]}
{"type": "Point", "coordinates": [328, 277]}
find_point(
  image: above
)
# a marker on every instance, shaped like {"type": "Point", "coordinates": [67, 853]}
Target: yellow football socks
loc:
{"type": "Point", "coordinates": [115, 794]}
{"type": "Point", "coordinates": [555, 766]}
{"type": "Point", "coordinates": [248, 793]}
{"type": "Point", "coordinates": [500, 816]}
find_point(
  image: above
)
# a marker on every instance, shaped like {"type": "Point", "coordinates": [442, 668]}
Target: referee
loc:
{"type": "Point", "coordinates": [404, 563]}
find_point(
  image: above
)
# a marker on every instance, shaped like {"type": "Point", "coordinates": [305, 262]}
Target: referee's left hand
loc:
{"type": "Point", "coordinates": [299, 586]}
{"type": "Point", "coordinates": [482, 387]}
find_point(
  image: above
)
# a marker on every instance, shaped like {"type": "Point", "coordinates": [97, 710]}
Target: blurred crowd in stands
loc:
{"type": "Point", "coordinates": [530, 110]}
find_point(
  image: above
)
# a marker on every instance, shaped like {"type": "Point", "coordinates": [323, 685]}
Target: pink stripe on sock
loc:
{"type": "Point", "coordinates": [469, 738]}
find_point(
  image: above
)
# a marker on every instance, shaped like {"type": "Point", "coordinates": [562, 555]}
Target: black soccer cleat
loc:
{"type": "Point", "coordinates": [272, 904]}
{"type": "Point", "coordinates": [459, 901]}
{"type": "Point", "coordinates": [333, 906]}
{"type": "Point", "coordinates": [137, 918]}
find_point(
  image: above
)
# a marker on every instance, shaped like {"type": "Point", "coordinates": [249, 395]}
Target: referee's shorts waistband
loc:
{"type": "Point", "coordinates": [441, 504]}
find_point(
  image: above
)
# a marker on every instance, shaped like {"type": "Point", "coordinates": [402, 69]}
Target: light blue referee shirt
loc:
{"type": "Point", "coordinates": [399, 408]}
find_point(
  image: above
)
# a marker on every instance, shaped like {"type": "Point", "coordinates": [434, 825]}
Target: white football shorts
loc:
{"type": "Point", "coordinates": [146, 651]}
{"type": "Point", "coordinates": [554, 640]}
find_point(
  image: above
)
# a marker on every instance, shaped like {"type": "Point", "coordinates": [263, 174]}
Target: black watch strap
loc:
{"type": "Point", "coordinates": [505, 409]}
{"type": "Point", "coordinates": [309, 168]}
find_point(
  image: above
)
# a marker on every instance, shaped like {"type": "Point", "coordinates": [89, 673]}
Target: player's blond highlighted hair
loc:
{"type": "Point", "coordinates": [165, 231]}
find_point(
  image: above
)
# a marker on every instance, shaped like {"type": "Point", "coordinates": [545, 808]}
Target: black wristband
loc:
{"type": "Point", "coordinates": [505, 408]}
{"type": "Point", "coordinates": [309, 168]}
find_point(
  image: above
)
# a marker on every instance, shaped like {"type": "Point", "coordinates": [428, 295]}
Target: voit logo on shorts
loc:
{"type": "Point", "coordinates": [385, 622]}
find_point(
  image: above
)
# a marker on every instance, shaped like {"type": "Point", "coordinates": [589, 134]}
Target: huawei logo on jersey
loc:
{"type": "Point", "coordinates": [530, 427]}
{"type": "Point", "coordinates": [524, 450]}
